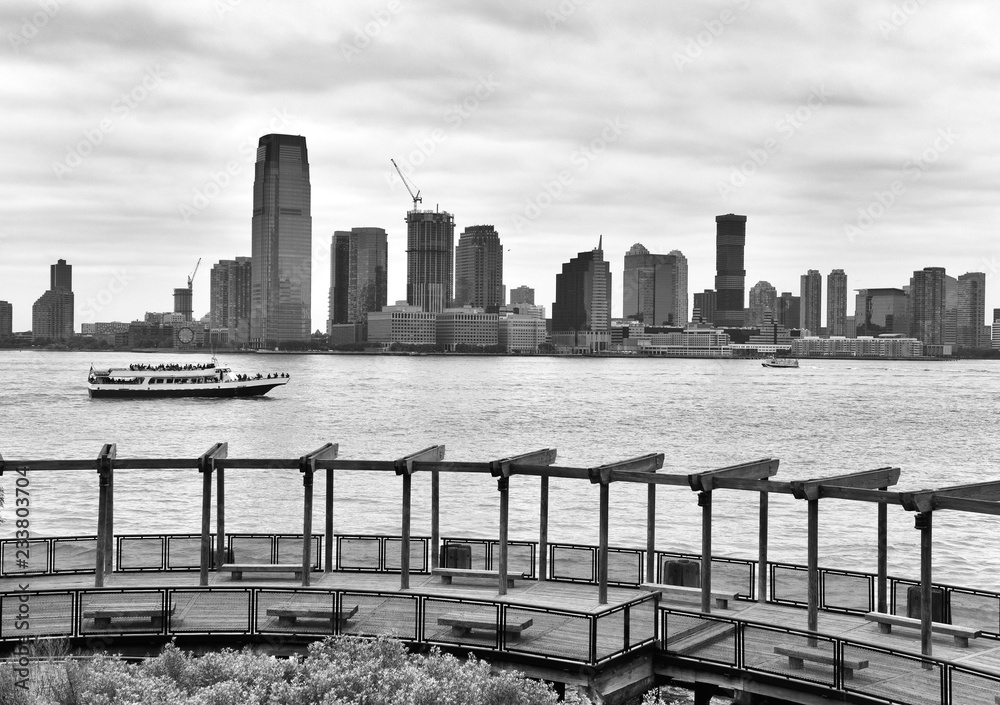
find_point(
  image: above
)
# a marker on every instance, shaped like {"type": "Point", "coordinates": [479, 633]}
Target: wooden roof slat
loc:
{"type": "Point", "coordinates": [404, 466]}
{"type": "Point", "coordinates": [739, 483]}
{"type": "Point", "coordinates": [649, 478]}
{"type": "Point", "coordinates": [207, 460]}
{"type": "Point", "coordinates": [989, 491]}
{"type": "Point", "coordinates": [502, 467]}
{"type": "Point", "coordinates": [651, 462]}
{"type": "Point", "coordinates": [860, 494]}
{"type": "Point", "coordinates": [328, 451]}
{"type": "Point", "coordinates": [965, 504]}
{"type": "Point", "coordinates": [754, 470]}
{"type": "Point", "coordinates": [868, 479]}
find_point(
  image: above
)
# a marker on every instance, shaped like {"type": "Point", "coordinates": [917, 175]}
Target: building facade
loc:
{"type": "Point", "coordinates": [281, 290]}
{"type": "Point", "coordinates": [522, 295]}
{"type": "Point", "coordinates": [581, 313]}
{"type": "Point", "coordinates": [402, 324]}
{"type": "Point", "coordinates": [836, 302]}
{"type": "Point", "coordinates": [971, 311]}
{"type": "Point", "coordinates": [730, 277]}
{"type": "Point", "coordinates": [430, 256]}
{"type": "Point", "coordinates": [879, 311]}
{"type": "Point", "coordinates": [811, 293]}
{"type": "Point", "coordinates": [6, 320]}
{"type": "Point", "coordinates": [358, 275]}
{"type": "Point", "coordinates": [928, 303]}
{"type": "Point", "coordinates": [681, 317]}
{"type": "Point", "coordinates": [704, 307]}
{"type": "Point", "coordinates": [230, 283]}
{"type": "Point", "coordinates": [466, 326]}
{"type": "Point", "coordinates": [763, 298]}
{"type": "Point", "coordinates": [479, 268]}
{"type": "Point", "coordinates": [651, 287]}
{"type": "Point", "coordinates": [789, 310]}
{"type": "Point", "coordinates": [520, 333]}
{"type": "Point", "coordinates": [52, 315]}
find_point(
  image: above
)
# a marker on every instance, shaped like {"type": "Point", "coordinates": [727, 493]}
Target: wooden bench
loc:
{"type": "Point", "coordinates": [721, 598]}
{"type": "Point", "coordinates": [462, 623]}
{"type": "Point", "coordinates": [151, 610]}
{"type": "Point", "coordinates": [448, 573]}
{"type": "Point", "coordinates": [238, 569]}
{"type": "Point", "coordinates": [798, 655]}
{"type": "Point", "coordinates": [287, 614]}
{"type": "Point", "coordinates": [887, 621]}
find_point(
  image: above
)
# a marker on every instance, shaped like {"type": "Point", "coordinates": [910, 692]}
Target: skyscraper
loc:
{"type": "Point", "coordinates": [763, 299]}
{"type": "Point", "coordinates": [231, 282]}
{"type": "Point", "coordinates": [730, 277]}
{"type": "Point", "coordinates": [972, 311]}
{"type": "Point", "coordinates": [704, 306]}
{"type": "Point", "coordinates": [358, 284]}
{"type": "Point", "coordinates": [836, 302]}
{"type": "Point", "coordinates": [281, 291]}
{"type": "Point", "coordinates": [650, 287]}
{"type": "Point", "coordinates": [789, 310]}
{"type": "Point", "coordinates": [811, 293]}
{"type": "Point", "coordinates": [430, 253]}
{"type": "Point", "coordinates": [878, 311]}
{"type": "Point", "coordinates": [522, 295]}
{"type": "Point", "coordinates": [681, 288]}
{"type": "Point", "coordinates": [581, 313]}
{"type": "Point", "coordinates": [6, 319]}
{"type": "Point", "coordinates": [52, 313]}
{"type": "Point", "coordinates": [479, 268]}
{"type": "Point", "coordinates": [927, 295]}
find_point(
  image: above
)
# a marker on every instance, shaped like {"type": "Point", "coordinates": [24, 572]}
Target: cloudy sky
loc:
{"type": "Point", "coordinates": [859, 135]}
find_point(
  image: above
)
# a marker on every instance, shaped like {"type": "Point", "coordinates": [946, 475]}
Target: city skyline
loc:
{"type": "Point", "coordinates": [136, 131]}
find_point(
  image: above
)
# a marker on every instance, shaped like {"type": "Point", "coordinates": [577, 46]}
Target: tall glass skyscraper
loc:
{"type": "Point", "coordinates": [430, 259]}
{"type": "Point", "coordinates": [836, 302]}
{"type": "Point", "coordinates": [811, 292]}
{"type": "Point", "coordinates": [358, 282]}
{"type": "Point", "coordinates": [281, 289]}
{"type": "Point", "coordinates": [581, 313]}
{"type": "Point", "coordinates": [479, 269]}
{"type": "Point", "coordinates": [231, 282]}
{"type": "Point", "coordinates": [652, 290]}
{"type": "Point", "coordinates": [730, 276]}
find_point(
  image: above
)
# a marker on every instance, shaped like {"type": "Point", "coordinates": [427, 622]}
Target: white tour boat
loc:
{"type": "Point", "coordinates": [783, 362]}
{"type": "Point", "coordinates": [145, 381]}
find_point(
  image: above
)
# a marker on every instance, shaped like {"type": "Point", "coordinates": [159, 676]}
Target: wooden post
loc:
{"type": "Point", "coordinates": [762, 567]}
{"type": "Point", "coordinates": [105, 462]}
{"type": "Point", "coordinates": [882, 601]}
{"type": "Point", "coordinates": [404, 558]}
{"type": "Point", "coordinates": [812, 562]}
{"type": "Point", "coordinates": [650, 533]}
{"type": "Point", "coordinates": [924, 522]}
{"type": "Point", "coordinates": [109, 531]}
{"type": "Point", "coordinates": [602, 551]}
{"type": "Point", "coordinates": [705, 501]}
{"type": "Point", "coordinates": [503, 485]}
{"type": "Point", "coordinates": [328, 527]}
{"type": "Point", "coordinates": [435, 519]}
{"type": "Point", "coordinates": [543, 529]}
{"type": "Point", "coordinates": [220, 518]}
{"type": "Point", "coordinates": [307, 466]}
{"type": "Point", "coordinates": [206, 518]}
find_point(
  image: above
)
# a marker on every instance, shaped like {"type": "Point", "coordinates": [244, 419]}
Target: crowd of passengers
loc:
{"type": "Point", "coordinates": [248, 378]}
{"type": "Point", "coordinates": [171, 367]}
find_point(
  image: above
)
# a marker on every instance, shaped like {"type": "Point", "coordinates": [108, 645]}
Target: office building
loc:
{"type": "Point", "coordinates": [881, 311]}
{"type": "Point", "coordinates": [704, 307]}
{"type": "Point", "coordinates": [466, 326]}
{"type": "Point", "coordinates": [402, 323]}
{"type": "Point", "coordinates": [651, 290]}
{"type": "Point", "coordinates": [479, 269]}
{"type": "Point", "coordinates": [52, 313]}
{"type": "Point", "coordinates": [6, 320]}
{"type": "Point", "coordinates": [928, 303]}
{"type": "Point", "coordinates": [230, 286]}
{"type": "Point", "coordinates": [763, 298]}
{"type": "Point", "coordinates": [522, 333]}
{"type": "Point", "coordinates": [358, 275]}
{"type": "Point", "coordinates": [971, 310]}
{"type": "Point", "coordinates": [522, 295]}
{"type": "Point", "coordinates": [789, 310]}
{"type": "Point", "coordinates": [811, 294]}
{"type": "Point", "coordinates": [281, 289]}
{"type": "Point", "coordinates": [730, 278]}
{"type": "Point", "coordinates": [430, 255]}
{"type": "Point", "coordinates": [995, 330]}
{"type": "Point", "coordinates": [581, 313]}
{"type": "Point", "coordinates": [836, 302]}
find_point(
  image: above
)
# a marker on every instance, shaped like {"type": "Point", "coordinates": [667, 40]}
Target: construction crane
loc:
{"type": "Point", "coordinates": [416, 199]}
{"type": "Point", "coordinates": [191, 276]}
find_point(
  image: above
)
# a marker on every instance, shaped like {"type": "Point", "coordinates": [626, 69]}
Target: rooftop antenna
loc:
{"type": "Point", "coordinates": [416, 198]}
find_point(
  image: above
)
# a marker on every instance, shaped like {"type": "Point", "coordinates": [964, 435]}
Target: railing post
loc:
{"type": "Point", "coordinates": [105, 465]}
{"type": "Point", "coordinates": [220, 517]}
{"type": "Point", "coordinates": [404, 467]}
{"type": "Point", "coordinates": [435, 518]}
{"type": "Point", "coordinates": [650, 533]}
{"type": "Point", "coordinates": [307, 466]}
{"type": "Point", "coordinates": [543, 529]}
{"type": "Point", "coordinates": [812, 565]}
{"type": "Point", "coordinates": [328, 523]}
{"type": "Point", "coordinates": [705, 502]}
{"type": "Point", "coordinates": [602, 551]}
{"type": "Point", "coordinates": [924, 523]}
{"type": "Point", "coordinates": [206, 466]}
{"type": "Point", "coordinates": [503, 485]}
{"type": "Point", "coordinates": [762, 548]}
{"type": "Point", "coordinates": [882, 602]}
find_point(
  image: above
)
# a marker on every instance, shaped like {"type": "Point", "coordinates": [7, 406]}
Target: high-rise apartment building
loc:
{"type": "Point", "coordinates": [358, 274]}
{"type": "Point", "coordinates": [879, 311]}
{"type": "Point", "coordinates": [281, 292]}
{"type": "Point", "coordinates": [522, 295]}
{"type": "Point", "coordinates": [479, 269]}
{"type": "Point", "coordinates": [430, 257]}
{"type": "Point", "coordinates": [971, 311]}
{"type": "Point", "coordinates": [811, 293]}
{"type": "Point", "coordinates": [928, 303]}
{"type": "Point", "coordinates": [6, 319]}
{"type": "Point", "coordinates": [704, 306]}
{"type": "Point", "coordinates": [730, 277]}
{"type": "Point", "coordinates": [231, 282]}
{"type": "Point", "coordinates": [763, 301]}
{"type": "Point", "coordinates": [581, 313]}
{"type": "Point", "coordinates": [836, 302]}
{"type": "Point", "coordinates": [651, 290]}
{"type": "Point", "coordinates": [52, 313]}
{"type": "Point", "coordinates": [789, 312]}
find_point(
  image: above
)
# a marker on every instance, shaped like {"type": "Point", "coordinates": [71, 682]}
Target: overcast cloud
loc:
{"type": "Point", "coordinates": [854, 135]}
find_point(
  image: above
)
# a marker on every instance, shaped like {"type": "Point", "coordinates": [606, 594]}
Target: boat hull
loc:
{"type": "Point", "coordinates": [244, 389]}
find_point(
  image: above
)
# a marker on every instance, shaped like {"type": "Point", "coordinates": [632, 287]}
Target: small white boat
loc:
{"type": "Point", "coordinates": [785, 362]}
{"type": "Point", "coordinates": [167, 380]}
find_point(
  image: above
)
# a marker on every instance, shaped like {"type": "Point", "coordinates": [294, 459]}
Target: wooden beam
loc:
{"type": "Point", "coordinates": [812, 565]}
{"type": "Point", "coordinates": [762, 567]}
{"type": "Point", "coordinates": [754, 470]}
{"type": "Point", "coordinates": [105, 464]}
{"type": "Point", "coordinates": [328, 524]}
{"type": "Point", "coordinates": [543, 529]}
{"type": "Point", "coordinates": [987, 491]}
{"type": "Point", "coordinates": [649, 478]}
{"type": "Point", "coordinates": [858, 494]}
{"type": "Point", "coordinates": [220, 508]}
{"type": "Point", "coordinates": [978, 506]}
{"type": "Point", "coordinates": [506, 467]}
{"type": "Point", "coordinates": [405, 465]}
{"type": "Point", "coordinates": [651, 533]}
{"type": "Point", "coordinates": [882, 564]}
{"type": "Point", "coordinates": [551, 471]}
{"type": "Point", "coordinates": [307, 466]}
{"type": "Point", "coordinates": [705, 502]}
{"type": "Point", "coordinates": [602, 547]}
{"type": "Point", "coordinates": [435, 518]}
{"type": "Point", "coordinates": [920, 501]}
{"type": "Point", "coordinates": [868, 479]}
{"type": "Point", "coordinates": [648, 463]}
{"type": "Point", "coordinates": [924, 523]}
{"type": "Point", "coordinates": [206, 466]}
{"type": "Point", "coordinates": [735, 483]}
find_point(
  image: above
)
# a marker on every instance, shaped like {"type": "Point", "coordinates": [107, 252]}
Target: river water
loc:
{"type": "Point", "coordinates": [935, 420]}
